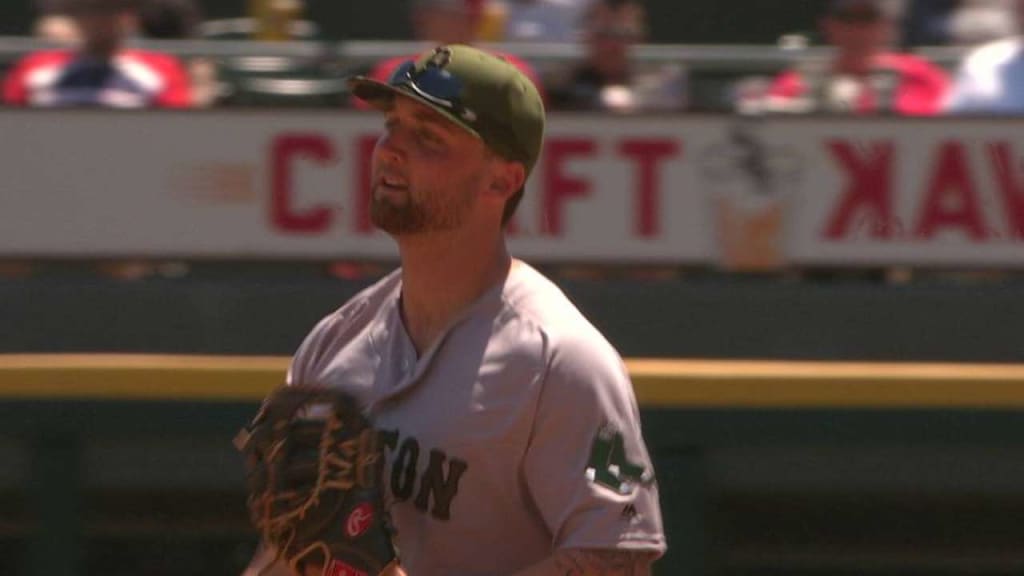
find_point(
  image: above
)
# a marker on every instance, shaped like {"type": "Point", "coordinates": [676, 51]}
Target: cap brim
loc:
{"type": "Point", "coordinates": [381, 95]}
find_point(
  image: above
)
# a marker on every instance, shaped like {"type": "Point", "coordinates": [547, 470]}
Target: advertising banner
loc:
{"type": "Point", "coordinates": [732, 192]}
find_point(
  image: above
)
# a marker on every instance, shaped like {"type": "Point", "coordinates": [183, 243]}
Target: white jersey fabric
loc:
{"type": "Point", "coordinates": [990, 80]}
{"type": "Point", "coordinates": [516, 434]}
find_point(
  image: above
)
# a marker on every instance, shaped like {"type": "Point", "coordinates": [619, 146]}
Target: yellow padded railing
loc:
{"type": "Point", "coordinates": [658, 383]}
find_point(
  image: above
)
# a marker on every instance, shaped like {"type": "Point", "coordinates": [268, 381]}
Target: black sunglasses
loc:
{"type": "Point", "coordinates": [433, 84]}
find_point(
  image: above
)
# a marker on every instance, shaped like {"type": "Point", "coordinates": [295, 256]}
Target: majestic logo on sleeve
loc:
{"type": "Point", "coordinates": [437, 486]}
{"type": "Point", "coordinates": [608, 465]}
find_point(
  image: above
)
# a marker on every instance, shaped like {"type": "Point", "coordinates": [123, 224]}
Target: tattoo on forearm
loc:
{"type": "Point", "coordinates": [603, 563]}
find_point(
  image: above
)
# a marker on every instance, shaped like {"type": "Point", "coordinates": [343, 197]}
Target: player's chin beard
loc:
{"type": "Point", "coordinates": [408, 218]}
{"type": "Point", "coordinates": [411, 217]}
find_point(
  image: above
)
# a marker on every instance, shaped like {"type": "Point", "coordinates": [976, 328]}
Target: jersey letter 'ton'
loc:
{"type": "Point", "coordinates": [443, 489]}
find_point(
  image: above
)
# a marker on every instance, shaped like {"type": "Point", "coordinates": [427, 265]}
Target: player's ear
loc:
{"type": "Point", "coordinates": [507, 178]}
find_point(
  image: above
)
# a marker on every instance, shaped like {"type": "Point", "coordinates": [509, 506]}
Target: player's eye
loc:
{"type": "Point", "coordinates": [428, 137]}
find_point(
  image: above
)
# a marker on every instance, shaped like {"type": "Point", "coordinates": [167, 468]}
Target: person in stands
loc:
{"type": "Point", "coordinates": [99, 71]}
{"type": "Point", "coordinates": [865, 75]}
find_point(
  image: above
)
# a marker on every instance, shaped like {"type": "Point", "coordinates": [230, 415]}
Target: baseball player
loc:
{"type": "Point", "coordinates": [512, 433]}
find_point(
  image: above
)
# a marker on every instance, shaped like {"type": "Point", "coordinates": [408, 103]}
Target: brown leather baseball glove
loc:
{"type": "Point", "coordinates": [314, 480]}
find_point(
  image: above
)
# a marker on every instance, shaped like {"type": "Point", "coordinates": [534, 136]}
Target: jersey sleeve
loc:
{"type": "Point", "coordinates": [15, 91]}
{"type": "Point", "coordinates": [787, 85]}
{"type": "Point", "coordinates": [925, 88]}
{"type": "Point", "coordinates": [965, 95]}
{"type": "Point", "coordinates": [177, 92]}
{"type": "Point", "coordinates": [786, 92]}
{"type": "Point", "coordinates": [304, 360]}
{"type": "Point", "coordinates": [958, 101]}
{"type": "Point", "coordinates": [587, 467]}
{"type": "Point", "coordinates": [16, 87]}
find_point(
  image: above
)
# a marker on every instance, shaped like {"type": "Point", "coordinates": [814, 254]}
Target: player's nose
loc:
{"type": "Point", "coordinates": [389, 146]}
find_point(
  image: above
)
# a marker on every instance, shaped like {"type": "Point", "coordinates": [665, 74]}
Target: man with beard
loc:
{"type": "Point", "coordinates": [511, 431]}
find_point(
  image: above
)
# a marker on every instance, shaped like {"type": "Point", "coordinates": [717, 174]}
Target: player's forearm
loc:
{"type": "Point", "coordinates": [580, 562]}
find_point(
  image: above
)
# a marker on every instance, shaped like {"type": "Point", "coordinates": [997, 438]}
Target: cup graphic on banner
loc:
{"type": "Point", "coordinates": [749, 183]}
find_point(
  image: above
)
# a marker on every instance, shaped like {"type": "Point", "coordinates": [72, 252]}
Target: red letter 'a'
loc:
{"type": "Point", "coordinates": [951, 200]}
{"type": "Point", "coordinates": [1011, 186]}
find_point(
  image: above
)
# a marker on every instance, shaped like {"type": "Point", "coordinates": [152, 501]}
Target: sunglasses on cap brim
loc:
{"type": "Point", "coordinates": [434, 85]}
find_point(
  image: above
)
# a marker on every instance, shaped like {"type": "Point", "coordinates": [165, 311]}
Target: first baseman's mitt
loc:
{"type": "Point", "coordinates": [314, 468]}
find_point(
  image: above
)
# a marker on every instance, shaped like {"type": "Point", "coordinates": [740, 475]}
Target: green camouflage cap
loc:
{"type": "Point", "coordinates": [482, 93]}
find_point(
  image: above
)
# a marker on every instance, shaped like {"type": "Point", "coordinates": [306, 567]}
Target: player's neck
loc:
{"type": "Point", "coordinates": [443, 274]}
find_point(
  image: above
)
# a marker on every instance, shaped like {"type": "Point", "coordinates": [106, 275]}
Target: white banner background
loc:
{"type": "Point", "coordinates": [664, 189]}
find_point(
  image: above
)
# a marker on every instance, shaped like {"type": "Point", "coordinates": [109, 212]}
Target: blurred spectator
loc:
{"type": "Point", "coordinates": [539, 20]}
{"type": "Point", "coordinates": [446, 21]}
{"type": "Point", "coordinates": [57, 28]}
{"type": "Point", "coordinates": [276, 20]}
{"type": "Point", "coordinates": [991, 78]}
{"type": "Point", "coordinates": [928, 22]}
{"type": "Point", "coordinates": [864, 76]}
{"type": "Point", "coordinates": [169, 19]}
{"type": "Point", "coordinates": [53, 24]}
{"type": "Point", "coordinates": [979, 21]}
{"type": "Point", "coordinates": [608, 78]}
{"type": "Point", "coordinates": [99, 72]}
{"type": "Point", "coordinates": [180, 20]}
{"type": "Point", "coordinates": [443, 22]}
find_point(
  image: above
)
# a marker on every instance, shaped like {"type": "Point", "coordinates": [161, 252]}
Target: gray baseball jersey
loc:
{"type": "Point", "coordinates": [515, 435]}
